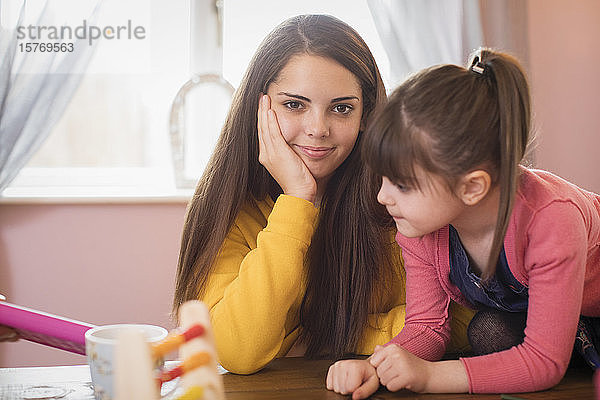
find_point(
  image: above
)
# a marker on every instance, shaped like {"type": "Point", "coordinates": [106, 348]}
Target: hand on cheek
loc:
{"type": "Point", "coordinates": [279, 159]}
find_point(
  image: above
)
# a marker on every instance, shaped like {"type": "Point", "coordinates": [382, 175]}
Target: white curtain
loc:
{"type": "Point", "coordinates": [420, 33]}
{"type": "Point", "coordinates": [35, 91]}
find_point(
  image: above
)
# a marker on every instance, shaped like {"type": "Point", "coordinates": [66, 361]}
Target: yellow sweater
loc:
{"type": "Point", "coordinates": [256, 288]}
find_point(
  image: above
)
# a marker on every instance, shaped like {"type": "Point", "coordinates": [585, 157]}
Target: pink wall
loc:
{"type": "Point", "coordinates": [101, 263]}
{"type": "Point", "coordinates": [564, 65]}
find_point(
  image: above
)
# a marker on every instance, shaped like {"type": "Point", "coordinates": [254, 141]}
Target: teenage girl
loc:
{"type": "Point", "coordinates": [475, 226]}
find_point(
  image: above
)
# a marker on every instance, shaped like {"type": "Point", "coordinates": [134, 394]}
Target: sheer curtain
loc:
{"type": "Point", "coordinates": [418, 34]}
{"type": "Point", "coordinates": [35, 89]}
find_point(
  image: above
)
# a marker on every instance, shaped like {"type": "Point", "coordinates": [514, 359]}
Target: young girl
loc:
{"type": "Point", "coordinates": [477, 227]}
{"type": "Point", "coordinates": [284, 239]}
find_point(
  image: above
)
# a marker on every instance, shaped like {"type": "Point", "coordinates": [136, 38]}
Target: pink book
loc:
{"type": "Point", "coordinates": [40, 327]}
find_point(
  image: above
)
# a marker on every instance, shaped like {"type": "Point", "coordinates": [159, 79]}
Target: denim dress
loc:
{"type": "Point", "coordinates": [503, 292]}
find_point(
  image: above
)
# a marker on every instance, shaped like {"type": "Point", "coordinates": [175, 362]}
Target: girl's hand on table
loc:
{"type": "Point", "coordinates": [353, 376]}
{"type": "Point", "coordinates": [284, 165]}
{"type": "Point", "coordinates": [398, 368]}
{"type": "Point", "coordinates": [8, 334]}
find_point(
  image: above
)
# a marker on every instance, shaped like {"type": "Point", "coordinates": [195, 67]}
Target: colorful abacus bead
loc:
{"type": "Point", "coordinates": [193, 393]}
{"type": "Point", "coordinates": [193, 362]}
{"type": "Point", "coordinates": [176, 339]}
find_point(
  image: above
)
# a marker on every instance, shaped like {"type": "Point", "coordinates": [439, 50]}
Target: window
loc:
{"type": "Point", "coordinates": [113, 139]}
{"type": "Point", "coordinates": [246, 23]}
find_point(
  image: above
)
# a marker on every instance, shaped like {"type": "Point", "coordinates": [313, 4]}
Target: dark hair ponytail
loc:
{"type": "Point", "coordinates": [514, 120]}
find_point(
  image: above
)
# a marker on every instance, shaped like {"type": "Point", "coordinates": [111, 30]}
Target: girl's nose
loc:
{"type": "Point", "coordinates": [383, 196]}
{"type": "Point", "coordinates": [316, 125]}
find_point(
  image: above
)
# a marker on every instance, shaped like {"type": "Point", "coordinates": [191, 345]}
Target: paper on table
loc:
{"type": "Point", "coordinates": [73, 381]}
{"type": "Point", "coordinates": [69, 383]}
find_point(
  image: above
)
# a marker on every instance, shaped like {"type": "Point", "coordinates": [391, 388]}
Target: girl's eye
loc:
{"type": "Point", "coordinates": [342, 108]}
{"type": "Point", "coordinates": [293, 105]}
{"type": "Point", "coordinates": [402, 188]}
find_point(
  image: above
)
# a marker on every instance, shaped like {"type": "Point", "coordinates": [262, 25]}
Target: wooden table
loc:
{"type": "Point", "coordinates": [286, 378]}
{"type": "Point", "coordinates": [298, 378]}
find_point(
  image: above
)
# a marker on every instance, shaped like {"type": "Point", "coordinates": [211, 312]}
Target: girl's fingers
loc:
{"type": "Point", "coordinates": [259, 125]}
{"type": "Point", "coordinates": [381, 353]}
{"type": "Point", "coordinates": [376, 358]}
{"type": "Point", "coordinates": [352, 378]}
{"type": "Point", "coordinates": [8, 335]}
{"type": "Point", "coordinates": [396, 384]}
{"type": "Point", "coordinates": [336, 378]}
{"type": "Point", "coordinates": [265, 108]}
{"type": "Point", "coordinates": [274, 130]}
{"type": "Point", "coordinates": [384, 370]}
{"type": "Point", "coordinates": [268, 127]}
{"type": "Point", "coordinates": [329, 380]}
{"type": "Point", "coordinates": [344, 388]}
{"type": "Point", "coordinates": [367, 388]}
{"type": "Point", "coordinates": [339, 381]}
{"type": "Point", "coordinates": [341, 377]}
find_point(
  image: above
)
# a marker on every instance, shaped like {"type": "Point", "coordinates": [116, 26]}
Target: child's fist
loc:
{"type": "Point", "coordinates": [353, 376]}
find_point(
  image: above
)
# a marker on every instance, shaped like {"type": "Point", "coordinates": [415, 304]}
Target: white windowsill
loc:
{"type": "Point", "coordinates": [43, 198]}
{"type": "Point", "coordinates": [94, 186]}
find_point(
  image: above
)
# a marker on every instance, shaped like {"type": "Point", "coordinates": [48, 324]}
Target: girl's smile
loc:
{"type": "Point", "coordinates": [316, 152]}
{"type": "Point", "coordinates": [319, 106]}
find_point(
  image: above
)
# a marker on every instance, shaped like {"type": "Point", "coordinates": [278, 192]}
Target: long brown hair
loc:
{"type": "Point", "coordinates": [349, 251]}
{"type": "Point", "coordinates": [450, 120]}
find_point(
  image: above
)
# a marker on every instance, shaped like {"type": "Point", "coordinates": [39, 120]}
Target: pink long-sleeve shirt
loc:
{"type": "Point", "coordinates": [552, 246]}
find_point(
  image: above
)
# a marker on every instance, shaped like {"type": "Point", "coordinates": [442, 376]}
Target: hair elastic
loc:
{"type": "Point", "coordinates": [477, 66]}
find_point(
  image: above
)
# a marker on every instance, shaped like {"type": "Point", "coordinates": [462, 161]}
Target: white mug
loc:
{"type": "Point", "coordinates": [100, 343]}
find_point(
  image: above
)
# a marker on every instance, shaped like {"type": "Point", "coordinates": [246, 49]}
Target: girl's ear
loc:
{"type": "Point", "coordinates": [474, 186]}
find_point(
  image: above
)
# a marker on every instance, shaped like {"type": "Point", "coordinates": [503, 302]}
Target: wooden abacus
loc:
{"type": "Point", "coordinates": [135, 361]}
